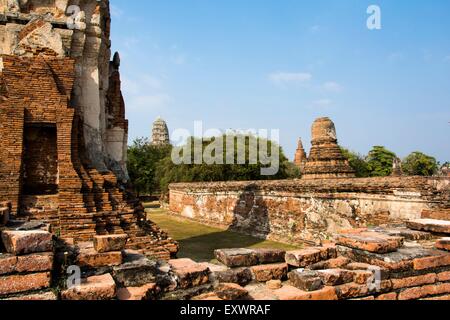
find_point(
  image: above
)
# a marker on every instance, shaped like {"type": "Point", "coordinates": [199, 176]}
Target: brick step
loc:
{"type": "Point", "coordinates": [439, 214]}
{"type": "Point", "coordinates": [430, 225]}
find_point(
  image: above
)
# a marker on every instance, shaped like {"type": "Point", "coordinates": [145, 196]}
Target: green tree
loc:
{"type": "Point", "coordinates": [420, 164]}
{"type": "Point", "coordinates": [143, 159]}
{"type": "Point", "coordinates": [380, 162]}
{"type": "Point", "coordinates": [168, 172]}
{"type": "Point", "coordinates": [357, 162]}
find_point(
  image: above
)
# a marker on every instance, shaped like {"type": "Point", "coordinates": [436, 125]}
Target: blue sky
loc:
{"type": "Point", "coordinates": [279, 64]}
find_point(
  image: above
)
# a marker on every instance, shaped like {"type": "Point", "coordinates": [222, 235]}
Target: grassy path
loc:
{"type": "Point", "coordinates": [198, 241]}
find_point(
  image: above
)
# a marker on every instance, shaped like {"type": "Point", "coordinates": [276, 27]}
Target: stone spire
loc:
{"type": "Point", "coordinates": [160, 133]}
{"type": "Point", "coordinates": [326, 159]}
{"type": "Point", "coordinates": [397, 170]}
{"type": "Point", "coordinates": [300, 155]}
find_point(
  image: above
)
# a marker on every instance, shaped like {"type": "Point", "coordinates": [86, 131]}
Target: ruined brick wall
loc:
{"type": "Point", "coordinates": [39, 27]}
{"type": "Point", "coordinates": [298, 210]}
{"type": "Point", "coordinates": [11, 136]}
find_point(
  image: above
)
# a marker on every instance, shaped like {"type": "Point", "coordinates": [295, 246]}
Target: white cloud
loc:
{"type": "Point", "coordinates": [447, 58]}
{"type": "Point", "coordinates": [289, 77]}
{"type": "Point", "coordinates": [322, 103]}
{"type": "Point", "coordinates": [149, 102]}
{"type": "Point", "coordinates": [145, 92]}
{"type": "Point", "coordinates": [332, 86]}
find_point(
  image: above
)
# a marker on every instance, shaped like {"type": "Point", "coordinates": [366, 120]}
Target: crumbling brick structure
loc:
{"type": "Point", "coordinates": [325, 158]}
{"type": "Point", "coordinates": [308, 210]}
{"type": "Point", "coordinates": [326, 200]}
{"type": "Point", "coordinates": [63, 129]}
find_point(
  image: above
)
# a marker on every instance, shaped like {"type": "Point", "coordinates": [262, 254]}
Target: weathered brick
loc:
{"type": "Point", "coordinates": [370, 241]}
{"type": "Point", "coordinates": [7, 263]}
{"type": "Point", "coordinates": [425, 291]}
{"type": "Point", "coordinates": [335, 277]}
{"type": "Point", "coordinates": [354, 290]}
{"type": "Point", "coordinates": [22, 283]}
{"type": "Point", "coordinates": [93, 288]}
{"type": "Point", "coordinates": [339, 262]}
{"type": "Point", "coordinates": [241, 276]}
{"type": "Point", "coordinates": [436, 261]}
{"type": "Point", "coordinates": [211, 296]}
{"type": "Point", "coordinates": [35, 263]}
{"type": "Point", "coordinates": [413, 281]}
{"type": "Point", "coordinates": [237, 257]}
{"type": "Point", "coordinates": [146, 292]}
{"type": "Point", "coordinates": [267, 256]}
{"type": "Point", "coordinates": [362, 277]}
{"type": "Point", "coordinates": [110, 243]}
{"type": "Point", "coordinates": [190, 274]}
{"type": "Point", "coordinates": [431, 225]}
{"type": "Point", "coordinates": [46, 296]}
{"type": "Point", "coordinates": [96, 260]}
{"type": "Point", "coordinates": [288, 293]}
{"type": "Point", "coordinates": [274, 284]}
{"type": "Point", "coordinates": [267, 272]}
{"type": "Point", "coordinates": [388, 296]}
{"type": "Point", "coordinates": [443, 244]}
{"type": "Point", "coordinates": [305, 280]}
{"type": "Point", "coordinates": [260, 292]}
{"type": "Point", "coordinates": [304, 258]}
{"type": "Point", "coordinates": [439, 298]}
{"type": "Point", "coordinates": [25, 242]}
{"type": "Point", "coordinates": [230, 291]}
{"type": "Point", "coordinates": [443, 276]}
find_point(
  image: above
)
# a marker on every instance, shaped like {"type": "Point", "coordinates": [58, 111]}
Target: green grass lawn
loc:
{"type": "Point", "coordinates": [198, 241]}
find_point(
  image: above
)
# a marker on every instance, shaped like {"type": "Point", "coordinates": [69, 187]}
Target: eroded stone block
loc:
{"type": "Point", "coordinates": [146, 292]}
{"type": "Point", "coordinates": [335, 277]}
{"type": "Point", "coordinates": [267, 272]}
{"type": "Point", "coordinates": [443, 244]}
{"type": "Point", "coordinates": [267, 256]}
{"type": "Point", "coordinates": [305, 280]}
{"type": "Point", "coordinates": [88, 257]}
{"type": "Point", "coordinates": [431, 225]}
{"type": "Point", "coordinates": [305, 257]}
{"type": "Point", "coordinates": [370, 241]}
{"type": "Point", "coordinates": [241, 276]}
{"type": "Point", "coordinates": [25, 242]}
{"type": "Point", "coordinates": [237, 257]}
{"type": "Point", "coordinates": [230, 291]}
{"type": "Point", "coordinates": [22, 283]}
{"type": "Point", "coordinates": [136, 271]}
{"type": "Point", "coordinates": [189, 273]}
{"type": "Point", "coordinates": [45, 296]}
{"type": "Point", "coordinates": [93, 288]}
{"type": "Point", "coordinates": [110, 243]}
{"type": "Point", "coordinates": [38, 262]}
{"type": "Point", "coordinates": [7, 263]}
{"type": "Point", "coordinates": [289, 293]}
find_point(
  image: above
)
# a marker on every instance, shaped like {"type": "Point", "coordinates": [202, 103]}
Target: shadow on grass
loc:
{"type": "Point", "coordinates": [198, 241]}
{"type": "Point", "coordinates": [201, 248]}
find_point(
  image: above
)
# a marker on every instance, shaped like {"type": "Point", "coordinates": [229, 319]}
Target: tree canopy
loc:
{"type": "Point", "coordinates": [420, 164]}
{"type": "Point", "coordinates": [143, 160]}
{"type": "Point", "coordinates": [152, 169]}
{"type": "Point", "coordinates": [357, 162]}
{"type": "Point", "coordinates": [380, 161]}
